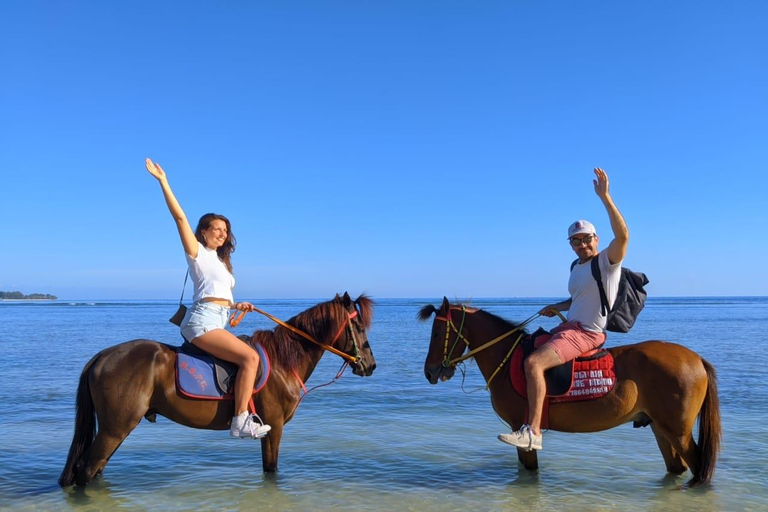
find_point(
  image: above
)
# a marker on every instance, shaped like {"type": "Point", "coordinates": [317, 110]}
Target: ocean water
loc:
{"type": "Point", "coordinates": [387, 442]}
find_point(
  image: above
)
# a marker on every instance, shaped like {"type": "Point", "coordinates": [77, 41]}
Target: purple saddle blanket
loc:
{"type": "Point", "coordinates": [200, 375]}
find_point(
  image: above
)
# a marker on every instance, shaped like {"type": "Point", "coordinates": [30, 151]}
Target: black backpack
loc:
{"type": "Point", "coordinates": [629, 300]}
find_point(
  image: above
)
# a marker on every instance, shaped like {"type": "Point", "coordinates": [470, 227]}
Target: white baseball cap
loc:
{"type": "Point", "coordinates": [581, 226]}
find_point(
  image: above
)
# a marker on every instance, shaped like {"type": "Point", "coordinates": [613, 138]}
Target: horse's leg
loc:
{"type": "Point", "coordinates": [528, 459]}
{"type": "Point", "coordinates": [673, 460]}
{"type": "Point", "coordinates": [97, 456]}
{"type": "Point", "coordinates": [117, 414]}
{"type": "Point", "coordinates": [270, 447]}
{"type": "Point", "coordinates": [686, 447]}
{"type": "Point", "coordinates": [677, 430]}
{"type": "Point", "coordinates": [114, 427]}
{"type": "Point", "coordinates": [277, 403]}
{"type": "Point", "coordinates": [511, 408]}
{"type": "Point", "coordinates": [674, 417]}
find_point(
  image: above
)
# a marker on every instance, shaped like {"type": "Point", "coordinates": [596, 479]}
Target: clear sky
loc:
{"type": "Point", "coordinates": [404, 148]}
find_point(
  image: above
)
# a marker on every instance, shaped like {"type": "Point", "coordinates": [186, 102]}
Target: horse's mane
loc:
{"type": "Point", "coordinates": [427, 311]}
{"type": "Point", "coordinates": [321, 321]}
{"type": "Point", "coordinates": [503, 321]}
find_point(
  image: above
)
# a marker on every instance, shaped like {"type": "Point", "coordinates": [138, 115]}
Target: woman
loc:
{"type": "Point", "coordinates": [208, 252]}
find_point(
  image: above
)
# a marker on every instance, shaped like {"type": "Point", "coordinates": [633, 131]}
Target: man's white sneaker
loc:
{"type": "Point", "coordinates": [523, 439]}
{"type": "Point", "coordinates": [247, 426]}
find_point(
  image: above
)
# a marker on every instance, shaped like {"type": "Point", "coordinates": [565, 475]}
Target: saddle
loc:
{"type": "Point", "coordinates": [589, 376]}
{"type": "Point", "coordinates": [203, 376]}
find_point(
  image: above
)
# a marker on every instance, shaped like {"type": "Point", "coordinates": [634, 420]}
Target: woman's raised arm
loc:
{"type": "Point", "coordinates": [186, 234]}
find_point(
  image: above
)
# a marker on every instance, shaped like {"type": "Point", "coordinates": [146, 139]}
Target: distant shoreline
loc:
{"type": "Point", "coordinates": [16, 295]}
{"type": "Point", "coordinates": [32, 300]}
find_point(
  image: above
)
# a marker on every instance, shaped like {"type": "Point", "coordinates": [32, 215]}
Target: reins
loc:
{"type": "Point", "coordinates": [448, 362]}
{"type": "Point", "coordinates": [234, 321]}
{"type": "Point", "coordinates": [339, 373]}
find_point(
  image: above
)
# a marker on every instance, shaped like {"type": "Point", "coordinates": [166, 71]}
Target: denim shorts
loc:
{"type": "Point", "coordinates": [203, 317]}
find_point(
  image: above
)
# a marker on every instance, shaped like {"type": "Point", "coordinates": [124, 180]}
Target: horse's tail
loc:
{"type": "Point", "coordinates": [85, 426]}
{"type": "Point", "coordinates": [710, 429]}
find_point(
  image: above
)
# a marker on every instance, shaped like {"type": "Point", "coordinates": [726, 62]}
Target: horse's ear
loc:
{"type": "Point", "coordinates": [347, 299]}
{"type": "Point", "coordinates": [446, 305]}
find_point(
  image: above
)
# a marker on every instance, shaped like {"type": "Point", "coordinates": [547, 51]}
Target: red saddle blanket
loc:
{"type": "Point", "coordinates": [591, 377]}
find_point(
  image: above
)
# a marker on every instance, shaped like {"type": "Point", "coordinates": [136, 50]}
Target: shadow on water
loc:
{"type": "Point", "coordinates": [85, 495]}
{"type": "Point", "coordinates": [525, 478]}
{"type": "Point", "coordinates": [674, 495]}
{"type": "Point", "coordinates": [673, 481]}
{"type": "Point", "coordinates": [99, 494]}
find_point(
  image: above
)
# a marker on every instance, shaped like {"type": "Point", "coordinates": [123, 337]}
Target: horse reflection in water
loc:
{"type": "Point", "coordinates": [134, 380]}
{"type": "Point", "coordinates": [660, 384]}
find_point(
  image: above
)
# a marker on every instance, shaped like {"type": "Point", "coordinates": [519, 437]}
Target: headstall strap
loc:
{"type": "Point", "coordinates": [348, 322]}
{"type": "Point", "coordinates": [341, 329]}
{"type": "Point", "coordinates": [459, 336]}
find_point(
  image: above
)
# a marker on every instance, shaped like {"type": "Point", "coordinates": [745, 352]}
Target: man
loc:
{"type": "Point", "coordinates": [585, 326]}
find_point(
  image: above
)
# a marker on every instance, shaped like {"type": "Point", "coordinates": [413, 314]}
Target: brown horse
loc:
{"type": "Point", "coordinates": [660, 384]}
{"type": "Point", "coordinates": [135, 380]}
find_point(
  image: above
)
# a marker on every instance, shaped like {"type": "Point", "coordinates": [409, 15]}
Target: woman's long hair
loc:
{"type": "Point", "coordinates": [225, 251]}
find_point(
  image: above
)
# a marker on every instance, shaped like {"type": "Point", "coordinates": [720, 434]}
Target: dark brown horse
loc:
{"type": "Point", "coordinates": [135, 380]}
{"type": "Point", "coordinates": [660, 384]}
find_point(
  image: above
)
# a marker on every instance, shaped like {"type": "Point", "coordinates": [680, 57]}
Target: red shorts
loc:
{"type": "Point", "coordinates": [569, 340]}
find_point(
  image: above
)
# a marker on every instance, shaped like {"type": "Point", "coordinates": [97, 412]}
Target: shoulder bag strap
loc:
{"type": "Point", "coordinates": [183, 287]}
{"type": "Point", "coordinates": [599, 279]}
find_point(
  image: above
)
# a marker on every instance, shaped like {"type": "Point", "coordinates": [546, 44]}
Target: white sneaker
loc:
{"type": "Point", "coordinates": [523, 439]}
{"type": "Point", "coordinates": [247, 426]}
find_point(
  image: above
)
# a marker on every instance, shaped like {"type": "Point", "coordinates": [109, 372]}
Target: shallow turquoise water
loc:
{"type": "Point", "coordinates": [388, 442]}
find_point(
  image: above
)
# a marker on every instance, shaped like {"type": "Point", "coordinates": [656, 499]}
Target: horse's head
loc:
{"type": "Point", "coordinates": [351, 337]}
{"type": "Point", "coordinates": [447, 341]}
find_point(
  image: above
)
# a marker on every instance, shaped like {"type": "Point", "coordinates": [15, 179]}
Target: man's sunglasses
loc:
{"type": "Point", "coordinates": [578, 241]}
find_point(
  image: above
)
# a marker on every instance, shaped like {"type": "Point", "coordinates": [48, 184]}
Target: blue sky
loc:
{"type": "Point", "coordinates": [401, 148]}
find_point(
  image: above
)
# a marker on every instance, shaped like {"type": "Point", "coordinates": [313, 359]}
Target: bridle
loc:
{"type": "Point", "coordinates": [449, 325]}
{"type": "Point", "coordinates": [449, 362]}
{"type": "Point", "coordinates": [348, 359]}
{"type": "Point", "coordinates": [347, 325]}
{"type": "Point", "coordinates": [233, 321]}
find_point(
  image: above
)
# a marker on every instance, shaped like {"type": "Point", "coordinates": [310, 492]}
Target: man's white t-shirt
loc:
{"type": "Point", "coordinates": [585, 295]}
